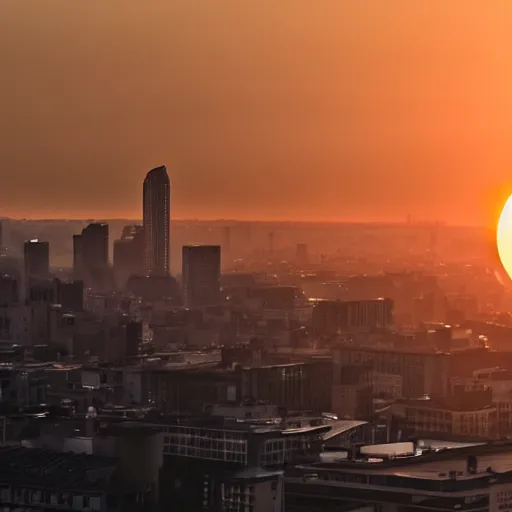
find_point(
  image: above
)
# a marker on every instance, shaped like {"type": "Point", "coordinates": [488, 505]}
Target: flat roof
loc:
{"type": "Point", "coordinates": [434, 465]}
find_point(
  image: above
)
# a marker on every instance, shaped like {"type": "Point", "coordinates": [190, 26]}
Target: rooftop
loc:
{"type": "Point", "coordinates": [440, 464]}
{"type": "Point", "coordinates": [35, 467]}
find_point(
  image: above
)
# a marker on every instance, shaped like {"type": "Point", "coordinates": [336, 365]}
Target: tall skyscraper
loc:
{"type": "Point", "coordinates": [156, 221]}
{"type": "Point", "coordinates": [37, 259]}
{"type": "Point", "coordinates": [201, 275]}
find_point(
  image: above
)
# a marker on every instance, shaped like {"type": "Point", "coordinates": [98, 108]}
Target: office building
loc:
{"type": "Point", "coordinates": [70, 295]}
{"type": "Point", "coordinates": [68, 481]}
{"type": "Point", "coordinates": [90, 254]}
{"type": "Point", "coordinates": [156, 221]}
{"type": "Point", "coordinates": [302, 253]}
{"type": "Point", "coordinates": [9, 292]}
{"type": "Point", "coordinates": [461, 415]}
{"type": "Point", "coordinates": [335, 317]}
{"type": "Point", "coordinates": [41, 291]}
{"type": "Point", "coordinates": [95, 246]}
{"type": "Point", "coordinates": [225, 465]}
{"type": "Point", "coordinates": [406, 476]}
{"type": "Point", "coordinates": [201, 275]}
{"type": "Point", "coordinates": [129, 254]}
{"type": "Point", "coordinates": [36, 259]}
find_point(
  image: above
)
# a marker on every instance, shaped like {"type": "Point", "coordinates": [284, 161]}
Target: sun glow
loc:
{"type": "Point", "coordinates": [504, 236]}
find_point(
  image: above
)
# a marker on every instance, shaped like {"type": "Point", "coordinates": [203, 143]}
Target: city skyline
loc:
{"type": "Point", "coordinates": [250, 256]}
{"type": "Point", "coordinates": [328, 116]}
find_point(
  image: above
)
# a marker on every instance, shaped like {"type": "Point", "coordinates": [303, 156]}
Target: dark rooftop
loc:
{"type": "Point", "coordinates": [34, 467]}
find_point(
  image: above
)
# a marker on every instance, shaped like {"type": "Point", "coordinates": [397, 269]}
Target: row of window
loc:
{"type": "Point", "coordinates": [198, 453]}
{"type": "Point", "coordinates": [40, 497]}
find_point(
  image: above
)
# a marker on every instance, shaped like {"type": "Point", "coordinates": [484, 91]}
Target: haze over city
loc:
{"type": "Point", "coordinates": [255, 256]}
{"type": "Point", "coordinates": [339, 110]}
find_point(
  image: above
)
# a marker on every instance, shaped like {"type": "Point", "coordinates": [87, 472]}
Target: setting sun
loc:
{"type": "Point", "coordinates": [504, 236]}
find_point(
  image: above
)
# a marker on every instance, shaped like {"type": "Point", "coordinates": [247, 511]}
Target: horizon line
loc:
{"type": "Point", "coordinates": [418, 223]}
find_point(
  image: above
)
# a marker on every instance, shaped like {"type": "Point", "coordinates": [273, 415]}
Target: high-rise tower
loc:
{"type": "Point", "coordinates": [156, 221]}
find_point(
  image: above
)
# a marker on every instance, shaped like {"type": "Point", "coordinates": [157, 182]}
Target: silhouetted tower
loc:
{"type": "Point", "coordinates": [226, 239]}
{"type": "Point", "coordinates": [129, 254]}
{"type": "Point", "coordinates": [302, 253]}
{"type": "Point", "coordinates": [433, 241]}
{"type": "Point", "coordinates": [271, 239]}
{"type": "Point", "coordinates": [95, 246]}
{"type": "Point", "coordinates": [78, 257]}
{"type": "Point", "coordinates": [201, 275]}
{"type": "Point", "coordinates": [36, 259]}
{"type": "Point", "coordinates": [156, 221]}
{"type": "Point", "coordinates": [90, 254]}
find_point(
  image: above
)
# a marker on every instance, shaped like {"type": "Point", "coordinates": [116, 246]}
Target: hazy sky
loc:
{"type": "Point", "coordinates": [313, 109]}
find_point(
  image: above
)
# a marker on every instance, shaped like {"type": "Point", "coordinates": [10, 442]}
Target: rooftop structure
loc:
{"type": "Point", "coordinates": [468, 477]}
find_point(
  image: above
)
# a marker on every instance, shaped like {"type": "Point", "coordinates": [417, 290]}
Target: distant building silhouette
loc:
{"type": "Point", "coordinates": [78, 258]}
{"type": "Point", "coordinates": [302, 253]}
{"type": "Point", "coordinates": [331, 317]}
{"type": "Point", "coordinates": [271, 243]}
{"type": "Point", "coordinates": [36, 259]}
{"type": "Point", "coordinates": [9, 291]}
{"type": "Point", "coordinates": [226, 240]}
{"type": "Point", "coordinates": [90, 253]}
{"type": "Point", "coordinates": [129, 254]}
{"type": "Point", "coordinates": [156, 221]}
{"type": "Point", "coordinates": [201, 275]}
{"type": "Point", "coordinates": [70, 295]}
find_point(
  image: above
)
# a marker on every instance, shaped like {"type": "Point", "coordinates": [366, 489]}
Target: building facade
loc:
{"type": "Point", "coordinates": [156, 221]}
{"type": "Point", "coordinates": [334, 317]}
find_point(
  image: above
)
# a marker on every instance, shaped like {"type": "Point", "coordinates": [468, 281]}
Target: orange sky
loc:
{"type": "Point", "coordinates": [297, 109]}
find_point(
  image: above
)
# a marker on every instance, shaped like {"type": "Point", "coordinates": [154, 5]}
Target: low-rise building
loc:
{"type": "Point", "coordinates": [473, 415]}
